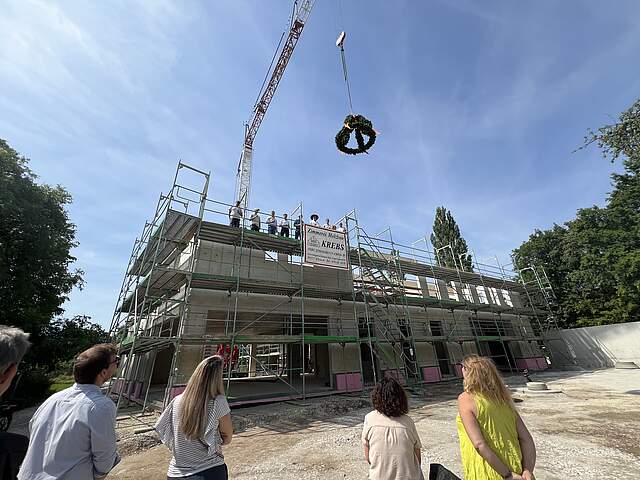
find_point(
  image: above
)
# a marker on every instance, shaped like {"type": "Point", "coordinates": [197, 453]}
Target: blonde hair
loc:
{"type": "Point", "coordinates": [205, 384]}
{"type": "Point", "coordinates": [481, 378]}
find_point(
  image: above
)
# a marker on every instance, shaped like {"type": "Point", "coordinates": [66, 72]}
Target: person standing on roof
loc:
{"type": "Point", "coordinates": [297, 224]}
{"type": "Point", "coordinates": [327, 225]}
{"type": "Point", "coordinates": [255, 220]}
{"type": "Point", "coordinates": [341, 228]}
{"type": "Point", "coordinates": [272, 224]}
{"type": "Point", "coordinates": [284, 226]}
{"type": "Point", "coordinates": [235, 214]}
{"type": "Point", "coordinates": [314, 220]}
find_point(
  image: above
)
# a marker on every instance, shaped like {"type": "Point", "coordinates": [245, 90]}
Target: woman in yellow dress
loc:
{"type": "Point", "coordinates": [494, 441]}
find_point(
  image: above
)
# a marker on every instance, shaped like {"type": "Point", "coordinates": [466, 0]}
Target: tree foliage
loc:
{"type": "Point", "coordinates": [451, 248]}
{"type": "Point", "coordinates": [593, 261]}
{"type": "Point", "coordinates": [36, 237]}
{"type": "Point", "coordinates": [63, 339]}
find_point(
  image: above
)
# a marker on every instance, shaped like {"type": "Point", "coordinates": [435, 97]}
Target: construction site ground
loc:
{"type": "Point", "coordinates": [588, 431]}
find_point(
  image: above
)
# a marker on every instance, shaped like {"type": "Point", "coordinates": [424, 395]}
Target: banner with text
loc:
{"type": "Point", "coordinates": [325, 248]}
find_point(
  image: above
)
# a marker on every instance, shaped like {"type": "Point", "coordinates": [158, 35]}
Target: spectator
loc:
{"type": "Point", "coordinates": [333, 227]}
{"type": "Point", "coordinates": [14, 343]}
{"type": "Point", "coordinates": [235, 214]}
{"type": "Point", "coordinates": [341, 228]}
{"type": "Point", "coordinates": [73, 432]}
{"type": "Point", "coordinates": [196, 424]}
{"type": "Point", "coordinates": [297, 224]}
{"type": "Point", "coordinates": [494, 442]}
{"type": "Point", "coordinates": [314, 220]}
{"type": "Point", "coordinates": [284, 226]}
{"type": "Point", "coordinates": [255, 220]}
{"type": "Point", "coordinates": [390, 439]}
{"type": "Point", "coordinates": [327, 225]}
{"type": "Point", "coordinates": [272, 224]}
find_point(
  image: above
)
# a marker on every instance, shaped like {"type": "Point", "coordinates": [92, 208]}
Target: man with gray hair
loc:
{"type": "Point", "coordinates": [14, 343]}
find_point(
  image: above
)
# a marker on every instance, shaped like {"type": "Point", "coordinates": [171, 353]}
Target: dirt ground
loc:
{"type": "Point", "coordinates": [591, 430]}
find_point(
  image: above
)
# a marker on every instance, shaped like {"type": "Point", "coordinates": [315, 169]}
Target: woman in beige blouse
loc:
{"type": "Point", "coordinates": [391, 442]}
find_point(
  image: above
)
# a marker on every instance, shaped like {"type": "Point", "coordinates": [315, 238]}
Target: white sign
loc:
{"type": "Point", "coordinates": [325, 248]}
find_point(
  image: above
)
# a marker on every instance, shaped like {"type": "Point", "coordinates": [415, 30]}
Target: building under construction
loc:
{"type": "Point", "coordinates": [195, 286]}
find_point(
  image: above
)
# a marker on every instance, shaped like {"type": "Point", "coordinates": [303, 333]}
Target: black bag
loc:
{"type": "Point", "coordinates": [438, 472]}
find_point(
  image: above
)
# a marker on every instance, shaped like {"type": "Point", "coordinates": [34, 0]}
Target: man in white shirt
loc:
{"type": "Point", "coordinates": [255, 220]}
{"type": "Point", "coordinates": [341, 228]}
{"type": "Point", "coordinates": [284, 226]}
{"type": "Point", "coordinates": [272, 224]}
{"type": "Point", "coordinates": [314, 220]}
{"type": "Point", "coordinates": [73, 432]}
{"type": "Point", "coordinates": [327, 225]}
{"type": "Point", "coordinates": [235, 214]}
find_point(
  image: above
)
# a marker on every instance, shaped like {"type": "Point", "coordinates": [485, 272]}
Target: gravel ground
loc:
{"type": "Point", "coordinates": [589, 431]}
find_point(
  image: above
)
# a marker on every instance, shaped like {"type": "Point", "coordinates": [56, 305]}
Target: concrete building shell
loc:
{"type": "Point", "coordinates": [195, 284]}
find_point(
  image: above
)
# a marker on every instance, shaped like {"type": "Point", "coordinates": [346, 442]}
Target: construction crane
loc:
{"type": "Point", "coordinates": [298, 20]}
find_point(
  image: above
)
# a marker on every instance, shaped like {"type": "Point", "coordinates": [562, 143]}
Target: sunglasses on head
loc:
{"type": "Point", "coordinates": [116, 361]}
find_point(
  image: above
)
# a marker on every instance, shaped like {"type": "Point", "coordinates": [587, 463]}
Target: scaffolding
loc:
{"type": "Point", "coordinates": [195, 286]}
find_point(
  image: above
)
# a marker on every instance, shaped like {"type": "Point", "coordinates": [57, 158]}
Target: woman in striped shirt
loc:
{"type": "Point", "coordinates": [196, 424]}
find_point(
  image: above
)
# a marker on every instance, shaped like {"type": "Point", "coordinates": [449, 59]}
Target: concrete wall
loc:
{"type": "Point", "coordinates": [344, 359]}
{"type": "Point", "coordinates": [208, 310]}
{"type": "Point", "coordinates": [213, 304]}
{"type": "Point", "coordinates": [596, 347]}
{"type": "Point", "coordinates": [219, 259]}
{"type": "Point", "coordinates": [521, 349]}
{"type": "Point", "coordinates": [458, 351]}
{"type": "Point", "coordinates": [426, 354]}
{"type": "Point", "coordinates": [189, 356]}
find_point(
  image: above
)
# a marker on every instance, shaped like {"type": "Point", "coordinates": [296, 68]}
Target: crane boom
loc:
{"type": "Point", "coordinates": [243, 187]}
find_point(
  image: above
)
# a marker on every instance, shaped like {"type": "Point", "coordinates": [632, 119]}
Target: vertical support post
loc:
{"type": "Point", "coordinates": [146, 395]}
{"type": "Point", "coordinates": [356, 228]}
{"type": "Point", "coordinates": [304, 391]}
{"type": "Point", "coordinates": [184, 309]}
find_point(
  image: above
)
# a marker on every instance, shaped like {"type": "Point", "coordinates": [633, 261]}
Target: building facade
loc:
{"type": "Point", "coordinates": [196, 286]}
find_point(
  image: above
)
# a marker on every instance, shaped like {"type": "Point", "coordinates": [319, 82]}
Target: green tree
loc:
{"type": "Point", "coordinates": [546, 248]}
{"type": "Point", "coordinates": [36, 237]}
{"type": "Point", "coordinates": [609, 238]}
{"type": "Point", "coordinates": [451, 249]}
{"type": "Point", "coordinates": [63, 339]}
{"type": "Point", "coordinates": [593, 262]}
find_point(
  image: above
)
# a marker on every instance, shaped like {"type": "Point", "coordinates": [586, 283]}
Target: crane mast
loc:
{"type": "Point", "coordinates": [299, 19]}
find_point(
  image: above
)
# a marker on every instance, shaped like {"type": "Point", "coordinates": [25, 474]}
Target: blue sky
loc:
{"type": "Point", "coordinates": [479, 106]}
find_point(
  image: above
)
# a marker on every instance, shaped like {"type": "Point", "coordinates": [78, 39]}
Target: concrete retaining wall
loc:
{"type": "Point", "coordinates": [596, 347]}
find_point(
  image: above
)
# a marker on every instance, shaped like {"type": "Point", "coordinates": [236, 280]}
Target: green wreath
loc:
{"type": "Point", "coordinates": [362, 126]}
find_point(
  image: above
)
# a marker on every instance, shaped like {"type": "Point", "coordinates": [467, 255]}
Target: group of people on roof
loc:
{"type": "Point", "coordinates": [236, 214]}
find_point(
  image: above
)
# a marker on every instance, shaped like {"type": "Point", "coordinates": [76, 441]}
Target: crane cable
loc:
{"type": "Point", "coordinates": [346, 76]}
{"type": "Point", "coordinates": [340, 43]}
